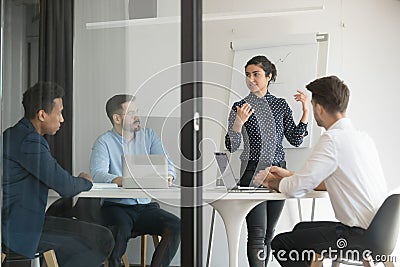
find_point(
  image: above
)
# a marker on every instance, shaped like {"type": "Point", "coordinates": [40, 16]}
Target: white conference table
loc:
{"type": "Point", "coordinates": [232, 207]}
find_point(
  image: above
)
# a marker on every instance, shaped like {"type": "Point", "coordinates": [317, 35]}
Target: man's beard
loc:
{"type": "Point", "coordinates": [135, 126]}
{"type": "Point", "coordinates": [319, 121]}
{"type": "Point", "coordinates": [132, 128]}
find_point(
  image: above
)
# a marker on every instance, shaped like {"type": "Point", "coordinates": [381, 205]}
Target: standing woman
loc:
{"type": "Point", "coordinates": [262, 120]}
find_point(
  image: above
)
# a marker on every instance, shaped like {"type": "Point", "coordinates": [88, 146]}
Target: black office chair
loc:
{"type": "Point", "coordinates": [62, 207]}
{"type": "Point", "coordinates": [88, 209]}
{"type": "Point", "coordinates": [380, 237]}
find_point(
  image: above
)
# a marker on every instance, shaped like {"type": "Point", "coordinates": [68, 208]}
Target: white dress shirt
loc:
{"type": "Point", "coordinates": [105, 160]}
{"type": "Point", "coordinates": [348, 162]}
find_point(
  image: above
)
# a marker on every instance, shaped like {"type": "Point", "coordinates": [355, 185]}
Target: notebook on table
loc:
{"type": "Point", "coordinates": [144, 171]}
{"type": "Point", "coordinates": [228, 176]}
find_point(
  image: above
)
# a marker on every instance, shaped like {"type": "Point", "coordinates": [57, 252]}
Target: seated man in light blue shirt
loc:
{"type": "Point", "coordinates": [132, 215]}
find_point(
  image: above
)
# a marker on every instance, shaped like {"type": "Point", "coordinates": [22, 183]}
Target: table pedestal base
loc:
{"type": "Point", "coordinates": [233, 213]}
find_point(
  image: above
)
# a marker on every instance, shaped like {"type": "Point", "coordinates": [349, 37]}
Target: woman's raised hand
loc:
{"type": "Point", "coordinates": [303, 99]}
{"type": "Point", "coordinates": [243, 113]}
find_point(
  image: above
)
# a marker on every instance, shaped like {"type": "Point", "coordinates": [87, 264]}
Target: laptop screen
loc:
{"type": "Point", "coordinates": [226, 170]}
{"type": "Point", "coordinates": [144, 171]}
{"type": "Point", "coordinates": [228, 175]}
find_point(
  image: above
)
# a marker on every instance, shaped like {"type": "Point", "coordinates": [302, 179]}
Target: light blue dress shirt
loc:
{"type": "Point", "coordinates": [105, 160]}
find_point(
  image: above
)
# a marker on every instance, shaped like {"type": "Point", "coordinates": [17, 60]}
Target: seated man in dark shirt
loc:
{"type": "Point", "coordinates": [29, 171]}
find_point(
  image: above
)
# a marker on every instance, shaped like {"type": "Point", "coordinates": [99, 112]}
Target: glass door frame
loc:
{"type": "Point", "coordinates": [191, 133]}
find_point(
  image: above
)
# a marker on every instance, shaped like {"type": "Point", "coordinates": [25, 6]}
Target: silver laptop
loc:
{"type": "Point", "coordinates": [144, 171]}
{"type": "Point", "coordinates": [228, 176]}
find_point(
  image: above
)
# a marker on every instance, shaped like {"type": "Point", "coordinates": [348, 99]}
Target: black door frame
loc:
{"type": "Point", "coordinates": [191, 133]}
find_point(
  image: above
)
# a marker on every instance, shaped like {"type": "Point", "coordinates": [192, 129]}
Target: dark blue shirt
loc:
{"type": "Point", "coordinates": [29, 170]}
{"type": "Point", "coordinates": [263, 132]}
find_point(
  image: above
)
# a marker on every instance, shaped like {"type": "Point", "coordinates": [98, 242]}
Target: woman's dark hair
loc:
{"type": "Point", "coordinates": [331, 93]}
{"type": "Point", "coordinates": [265, 64]}
{"type": "Point", "coordinates": [114, 105]}
{"type": "Point", "coordinates": [41, 97]}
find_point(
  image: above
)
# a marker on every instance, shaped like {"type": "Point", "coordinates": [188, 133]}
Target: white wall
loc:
{"type": "Point", "coordinates": [99, 63]}
{"type": "Point", "coordinates": [15, 62]}
{"type": "Point", "coordinates": [363, 51]}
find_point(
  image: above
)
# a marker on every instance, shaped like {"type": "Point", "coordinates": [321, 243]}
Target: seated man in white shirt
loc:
{"type": "Point", "coordinates": [347, 163]}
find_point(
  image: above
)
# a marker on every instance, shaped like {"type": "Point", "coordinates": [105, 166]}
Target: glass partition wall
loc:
{"type": "Point", "coordinates": [118, 47]}
{"type": "Point", "coordinates": [129, 47]}
{"type": "Point", "coordinates": [143, 47]}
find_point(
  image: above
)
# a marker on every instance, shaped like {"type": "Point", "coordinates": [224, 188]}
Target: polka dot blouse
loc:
{"type": "Point", "coordinates": [264, 130]}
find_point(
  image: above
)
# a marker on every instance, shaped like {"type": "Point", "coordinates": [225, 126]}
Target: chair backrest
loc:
{"type": "Point", "coordinates": [381, 235]}
{"type": "Point", "coordinates": [88, 210]}
{"type": "Point", "coordinates": [62, 207]}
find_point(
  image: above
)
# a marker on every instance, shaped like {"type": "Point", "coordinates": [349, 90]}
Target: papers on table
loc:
{"type": "Point", "coordinates": [104, 186]}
